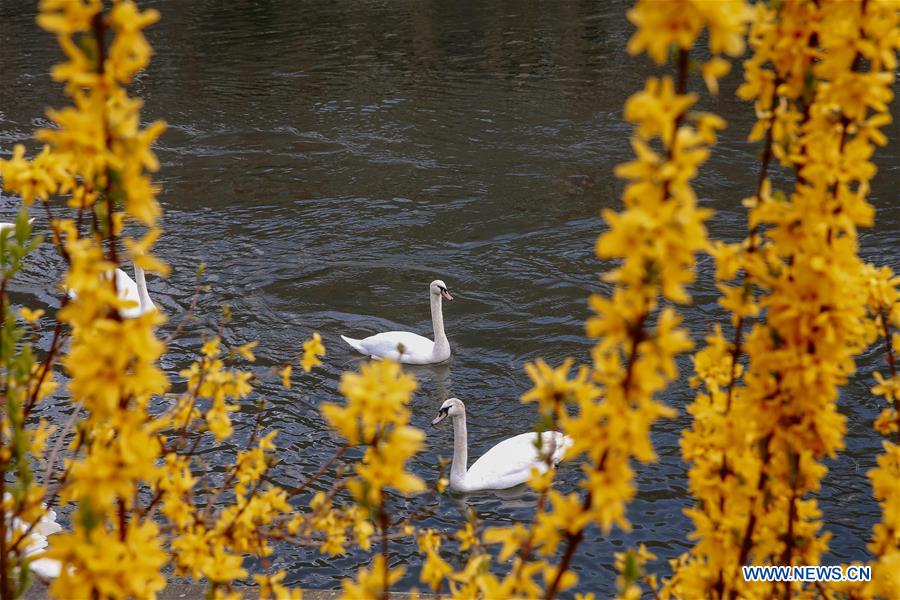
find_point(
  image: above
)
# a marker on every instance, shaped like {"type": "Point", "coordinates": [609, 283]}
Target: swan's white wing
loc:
{"type": "Point", "coordinates": [128, 290]}
{"type": "Point", "coordinates": [509, 463]}
{"type": "Point", "coordinates": [36, 543]}
{"type": "Point", "coordinates": [384, 345]}
{"type": "Point", "coordinates": [10, 228]}
{"type": "Point", "coordinates": [48, 525]}
{"type": "Point", "coordinates": [47, 568]}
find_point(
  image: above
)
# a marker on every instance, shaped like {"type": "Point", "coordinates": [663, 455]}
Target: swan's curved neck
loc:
{"type": "Point", "coordinates": [143, 295]}
{"type": "Point", "coordinates": [460, 463]}
{"type": "Point", "coordinates": [441, 344]}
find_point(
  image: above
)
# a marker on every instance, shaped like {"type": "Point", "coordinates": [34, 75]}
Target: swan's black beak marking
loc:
{"type": "Point", "coordinates": [445, 293]}
{"type": "Point", "coordinates": [442, 414]}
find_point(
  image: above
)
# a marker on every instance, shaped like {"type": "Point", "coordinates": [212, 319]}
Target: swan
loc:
{"type": "Point", "coordinates": [507, 464]}
{"type": "Point", "coordinates": [135, 292]}
{"type": "Point", "coordinates": [9, 229]}
{"type": "Point", "coordinates": [129, 290]}
{"type": "Point", "coordinates": [407, 347]}
{"type": "Point", "coordinates": [46, 568]}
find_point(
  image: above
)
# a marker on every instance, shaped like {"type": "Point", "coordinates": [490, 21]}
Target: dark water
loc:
{"type": "Point", "coordinates": [328, 160]}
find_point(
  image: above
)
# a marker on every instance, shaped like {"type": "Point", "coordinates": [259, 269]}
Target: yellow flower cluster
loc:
{"type": "Point", "coordinates": [435, 569]}
{"type": "Point", "coordinates": [98, 156]}
{"type": "Point", "coordinates": [312, 350]}
{"type": "Point", "coordinates": [371, 583]}
{"type": "Point", "coordinates": [207, 545]}
{"type": "Point", "coordinates": [209, 379]}
{"type": "Point", "coordinates": [334, 525]}
{"type": "Point", "coordinates": [760, 431]}
{"type": "Point", "coordinates": [886, 538]}
{"type": "Point", "coordinates": [377, 397]}
{"type": "Point", "coordinates": [662, 26]}
{"type": "Point", "coordinates": [109, 564]}
{"type": "Point", "coordinates": [270, 587]}
{"type": "Point", "coordinates": [100, 138]}
{"type": "Point", "coordinates": [376, 414]}
{"type": "Point", "coordinates": [655, 240]}
{"type": "Point", "coordinates": [24, 383]}
{"type": "Point", "coordinates": [631, 566]}
{"type": "Point", "coordinates": [884, 305]}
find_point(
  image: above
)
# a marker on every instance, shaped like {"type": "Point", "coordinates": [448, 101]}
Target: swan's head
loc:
{"type": "Point", "coordinates": [439, 288]}
{"type": "Point", "coordinates": [452, 407]}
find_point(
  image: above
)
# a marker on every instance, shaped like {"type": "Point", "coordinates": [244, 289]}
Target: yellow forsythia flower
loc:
{"type": "Point", "coordinates": [31, 316]}
{"type": "Point", "coordinates": [247, 351]}
{"type": "Point", "coordinates": [312, 350]}
{"type": "Point", "coordinates": [285, 374]}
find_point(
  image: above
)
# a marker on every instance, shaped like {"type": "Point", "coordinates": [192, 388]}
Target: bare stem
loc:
{"type": "Point", "coordinates": [319, 472]}
{"type": "Point", "coordinates": [892, 365]}
{"type": "Point", "coordinates": [384, 523]}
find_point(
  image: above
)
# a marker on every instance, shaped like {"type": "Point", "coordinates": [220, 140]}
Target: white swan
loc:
{"type": "Point", "coordinates": [135, 292]}
{"type": "Point", "coordinates": [409, 347]}
{"type": "Point", "coordinates": [507, 464]}
{"type": "Point", "coordinates": [129, 290]}
{"type": "Point", "coordinates": [9, 229]}
{"type": "Point", "coordinates": [47, 568]}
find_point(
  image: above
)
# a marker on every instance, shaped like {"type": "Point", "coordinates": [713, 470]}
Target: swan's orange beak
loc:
{"type": "Point", "coordinates": [446, 294]}
{"type": "Point", "coordinates": [442, 414]}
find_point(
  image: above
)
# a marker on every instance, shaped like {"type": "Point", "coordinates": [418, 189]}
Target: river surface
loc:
{"type": "Point", "coordinates": [327, 160]}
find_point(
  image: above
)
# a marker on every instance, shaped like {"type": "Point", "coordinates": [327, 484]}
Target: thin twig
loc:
{"type": "Point", "coordinates": [319, 472]}
{"type": "Point", "coordinates": [189, 315]}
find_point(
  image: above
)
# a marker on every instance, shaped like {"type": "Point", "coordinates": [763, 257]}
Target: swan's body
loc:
{"type": "Point", "coordinates": [36, 543]}
{"type": "Point", "coordinates": [128, 290]}
{"type": "Point", "coordinates": [133, 292]}
{"type": "Point", "coordinates": [507, 464]}
{"type": "Point", "coordinates": [407, 347]}
{"type": "Point", "coordinates": [47, 568]}
{"type": "Point", "coordinates": [9, 229]}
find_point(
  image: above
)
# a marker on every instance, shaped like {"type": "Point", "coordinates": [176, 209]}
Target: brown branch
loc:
{"type": "Point", "coordinates": [525, 550]}
{"type": "Point", "coordinates": [747, 542]}
{"type": "Point", "coordinates": [419, 510]}
{"type": "Point", "coordinates": [573, 540]}
{"type": "Point", "coordinates": [681, 85]}
{"type": "Point", "coordinates": [384, 522]}
{"type": "Point", "coordinates": [319, 472]}
{"type": "Point", "coordinates": [5, 589]}
{"type": "Point", "coordinates": [892, 365]}
{"type": "Point", "coordinates": [59, 442]}
{"type": "Point", "coordinates": [737, 343]}
{"type": "Point", "coordinates": [46, 365]}
{"type": "Point", "coordinates": [57, 240]}
{"type": "Point", "coordinates": [233, 474]}
{"type": "Point", "coordinates": [751, 248]}
{"type": "Point", "coordinates": [787, 555]}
